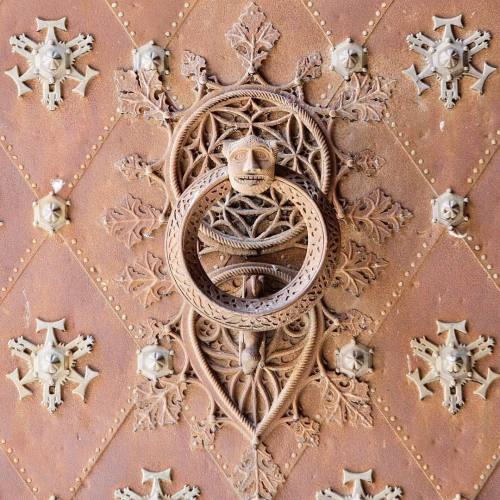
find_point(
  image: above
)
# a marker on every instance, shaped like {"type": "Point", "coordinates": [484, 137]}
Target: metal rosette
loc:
{"type": "Point", "coordinates": [266, 313]}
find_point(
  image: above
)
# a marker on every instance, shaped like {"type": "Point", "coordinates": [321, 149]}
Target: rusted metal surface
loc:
{"type": "Point", "coordinates": [398, 272]}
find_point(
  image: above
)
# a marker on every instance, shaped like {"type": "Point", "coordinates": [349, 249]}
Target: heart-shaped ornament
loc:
{"type": "Point", "coordinates": [255, 399]}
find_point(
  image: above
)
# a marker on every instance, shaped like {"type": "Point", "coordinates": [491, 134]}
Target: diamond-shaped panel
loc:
{"type": "Point", "coordinates": [342, 451]}
{"type": "Point", "coordinates": [435, 134]}
{"type": "Point", "coordinates": [484, 223]}
{"type": "Point", "coordinates": [155, 451]}
{"type": "Point", "coordinates": [55, 143]}
{"type": "Point", "coordinates": [70, 435]}
{"type": "Point", "coordinates": [448, 287]}
{"type": "Point", "coordinates": [103, 188]}
{"type": "Point", "coordinates": [152, 20]}
{"type": "Point", "coordinates": [403, 250]}
{"type": "Point", "coordinates": [343, 18]}
{"type": "Point", "coordinates": [17, 231]}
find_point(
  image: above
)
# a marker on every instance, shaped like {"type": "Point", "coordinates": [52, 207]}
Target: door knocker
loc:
{"type": "Point", "coordinates": [251, 170]}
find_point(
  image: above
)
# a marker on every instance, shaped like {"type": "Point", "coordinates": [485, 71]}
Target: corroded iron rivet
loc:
{"type": "Point", "coordinates": [448, 209]}
{"type": "Point", "coordinates": [354, 359]}
{"type": "Point", "coordinates": [149, 57]}
{"type": "Point", "coordinates": [155, 361]}
{"type": "Point", "coordinates": [347, 58]}
{"type": "Point", "coordinates": [50, 213]}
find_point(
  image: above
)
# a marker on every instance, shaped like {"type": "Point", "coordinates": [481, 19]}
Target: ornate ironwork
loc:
{"type": "Point", "coordinates": [358, 490]}
{"type": "Point", "coordinates": [51, 61]}
{"type": "Point", "coordinates": [452, 364]}
{"type": "Point", "coordinates": [249, 179]}
{"type": "Point", "coordinates": [157, 493]}
{"type": "Point", "coordinates": [51, 364]}
{"type": "Point", "coordinates": [449, 59]}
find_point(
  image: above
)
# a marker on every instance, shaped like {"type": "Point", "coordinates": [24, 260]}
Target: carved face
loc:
{"type": "Point", "coordinates": [251, 164]}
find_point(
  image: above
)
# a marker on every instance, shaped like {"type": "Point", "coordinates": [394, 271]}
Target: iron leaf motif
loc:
{"type": "Point", "coordinates": [252, 37]}
{"type": "Point", "coordinates": [134, 167]}
{"type": "Point", "coordinates": [308, 67]}
{"type": "Point", "coordinates": [366, 162]}
{"type": "Point", "coordinates": [203, 432]}
{"type": "Point", "coordinates": [146, 279]}
{"type": "Point", "coordinates": [377, 215]}
{"type": "Point", "coordinates": [132, 221]}
{"type": "Point", "coordinates": [157, 404]}
{"type": "Point", "coordinates": [351, 322]}
{"type": "Point", "coordinates": [306, 431]}
{"type": "Point", "coordinates": [141, 94]}
{"type": "Point", "coordinates": [358, 268]}
{"type": "Point", "coordinates": [252, 369]}
{"type": "Point", "coordinates": [345, 400]}
{"type": "Point", "coordinates": [257, 476]}
{"type": "Point", "coordinates": [194, 66]}
{"type": "Point", "coordinates": [363, 98]}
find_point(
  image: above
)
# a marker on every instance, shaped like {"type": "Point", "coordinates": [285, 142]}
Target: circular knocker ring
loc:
{"type": "Point", "coordinates": [266, 313]}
